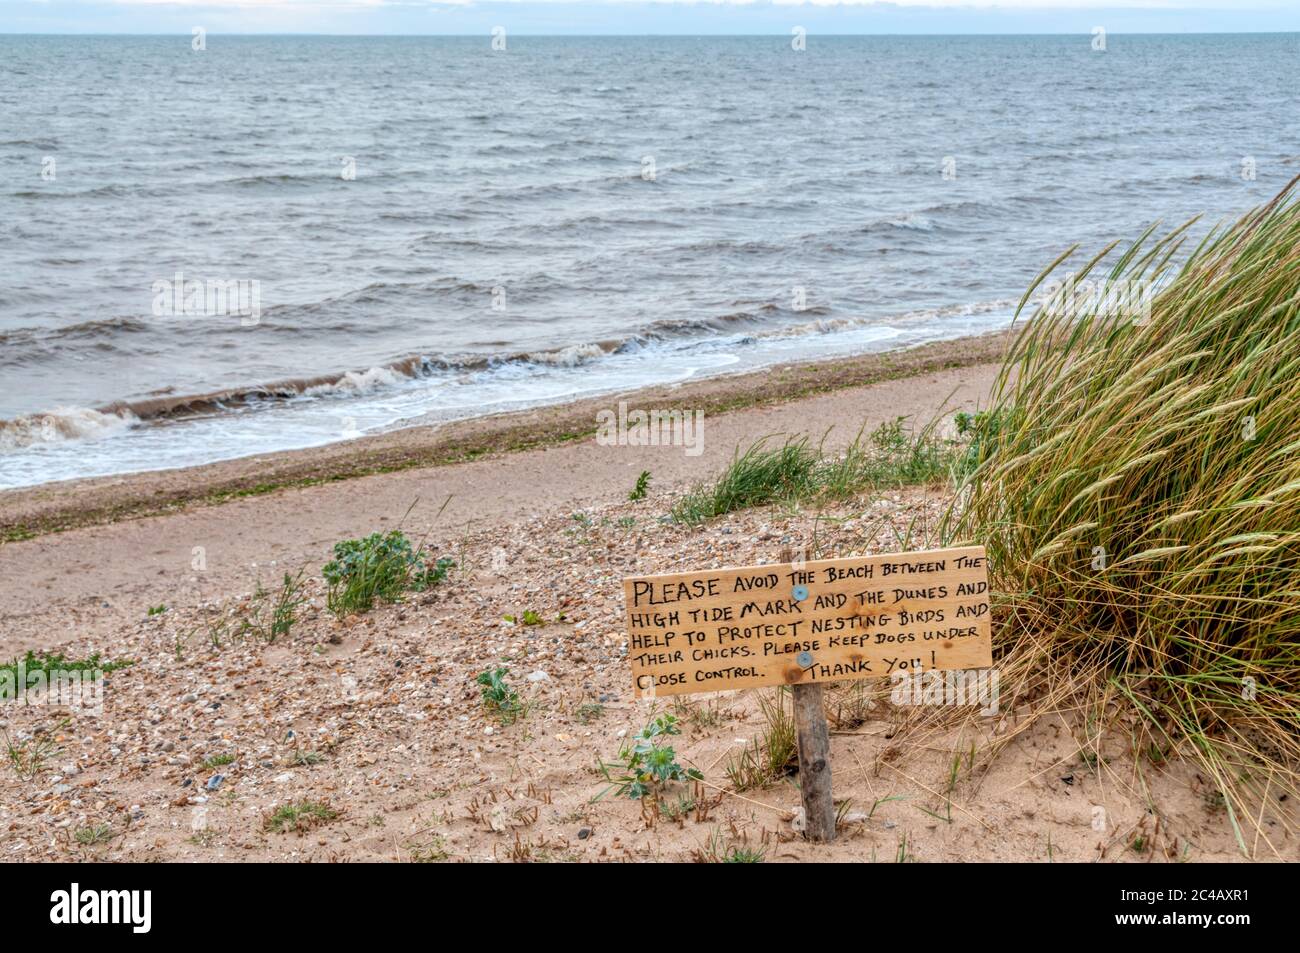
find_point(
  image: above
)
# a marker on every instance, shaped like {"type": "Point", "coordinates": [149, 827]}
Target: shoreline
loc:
{"type": "Point", "coordinates": [31, 512]}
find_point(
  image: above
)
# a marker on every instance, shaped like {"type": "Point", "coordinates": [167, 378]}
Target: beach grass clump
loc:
{"type": "Point", "coordinates": [379, 567]}
{"type": "Point", "coordinates": [762, 474]}
{"type": "Point", "coordinates": [270, 619]}
{"type": "Point", "coordinates": [29, 756]}
{"type": "Point", "coordinates": [1136, 480]}
{"type": "Point", "coordinates": [721, 849]}
{"type": "Point", "coordinates": [774, 754]}
{"type": "Point", "coordinates": [50, 664]}
{"type": "Point", "coordinates": [796, 471]}
{"type": "Point", "coordinates": [892, 455]}
{"type": "Point", "coordinates": [93, 835]}
{"type": "Point", "coordinates": [299, 816]}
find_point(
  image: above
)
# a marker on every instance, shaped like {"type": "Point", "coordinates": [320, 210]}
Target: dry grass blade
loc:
{"type": "Point", "coordinates": [1135, 490]}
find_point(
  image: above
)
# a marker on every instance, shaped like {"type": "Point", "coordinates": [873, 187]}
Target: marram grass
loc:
{"type": "Point", "coordinates": [1138, 489]}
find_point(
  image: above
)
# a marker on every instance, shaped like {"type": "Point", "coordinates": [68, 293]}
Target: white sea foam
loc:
{"type": "Point", "coordinates": [61, 424]}
{"type": "Point", "coordinates": [571, 356]}
{"type": "Point", "coordinates": [358, 382]}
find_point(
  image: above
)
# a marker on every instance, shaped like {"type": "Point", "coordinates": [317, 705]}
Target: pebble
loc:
{"type": "Point", "coordinates": [214, 782]}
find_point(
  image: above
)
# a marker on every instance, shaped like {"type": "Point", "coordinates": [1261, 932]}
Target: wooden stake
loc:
{"type": "Point", "coordinates": [814, 755]}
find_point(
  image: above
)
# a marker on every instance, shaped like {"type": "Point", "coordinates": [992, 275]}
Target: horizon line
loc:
{"type": "Point", "coordinates": [598, 36]}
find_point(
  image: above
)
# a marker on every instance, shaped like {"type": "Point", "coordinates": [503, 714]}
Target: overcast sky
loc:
{"type": "Point", "coordinates": [637, 16]}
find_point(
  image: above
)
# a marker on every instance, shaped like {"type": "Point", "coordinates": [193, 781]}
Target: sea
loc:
{"type": "Point", "coordinates": [217, 246]}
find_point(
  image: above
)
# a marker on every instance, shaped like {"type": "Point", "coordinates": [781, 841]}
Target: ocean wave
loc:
{"type": "Point", "coordinates": [76, 423]}
{"type": "Point", "coordinates": [571, 356]}
{"type": "Point", "coordinates": [744, 327]}
{"type": "Point", "coordinates": [353, 383]}
{"type": "Point", "coordinates": [28, 347]}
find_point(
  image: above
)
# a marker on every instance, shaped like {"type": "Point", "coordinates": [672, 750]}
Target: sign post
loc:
{"type": "Point", "coordinates": [806, 624]}
{"type": "Point", "coordinates": [814, 741]}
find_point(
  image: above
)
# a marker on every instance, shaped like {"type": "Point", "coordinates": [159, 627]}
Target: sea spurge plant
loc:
{"type": "Point", "coordinates": [498, 697]}
{"type": "Point", "coordinates": [644, 765]}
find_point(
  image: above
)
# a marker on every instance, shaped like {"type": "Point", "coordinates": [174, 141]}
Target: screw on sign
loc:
{"type": "Point", "coordinates": [802, 626]}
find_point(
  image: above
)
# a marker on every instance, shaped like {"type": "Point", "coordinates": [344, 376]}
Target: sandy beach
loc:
{"type": "Point", "coordinates": [377, 718]}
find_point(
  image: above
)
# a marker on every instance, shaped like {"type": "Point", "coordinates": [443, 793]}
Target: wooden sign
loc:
{"type": "Point", "coordinates": [801, 623]}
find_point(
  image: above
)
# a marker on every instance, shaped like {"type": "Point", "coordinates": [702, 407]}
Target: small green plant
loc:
{"type": "Point", "coordinates": [796, 471]}
{"type": "Point", "coordinates": [642, 484]}
{"type": "Point", "coordinates": [431, 851]}
{"type": "Point", "coordinates": [380, 566]}
{"type": "Point", "coordinates": [432, 575]}
{"type": "Point", "coordinates": [645, 766]}
{"type": "Point", "coordinates": [299, 816]}
{"type": "Point", "coordinates": [678, 809]}
{"type": "Point", "coordinates": [588, 712]}
{"type": "Point", "coordinates": [528, 618]}
{"type": "Point", "coordinates": [903, 857]}
{"type": "Point", "coordinates": [981, 431]}
{"type": "Point", "coordinates": [28, 757]}
{"type": "Point", "coordinates": [218, 760]}
{"type": "Point", "coordinates": [216, 624]}
{"type": "Point", "coordinates": [271, 620]}
{"type": "Point", "coordinates": [156, 610]}
{"type": "Point", "coordinates": [884, 800]}
{"type": "Point", "coordinates": [953, 772]}
{"type": "Point", "coordinates": [761, 475]}
{"type": "Point", "coordinates": [304, 759]}
{"type": "Point", "coordinates": [700, 715]}
{"type": "Point", "coordinates": [498, 697]}
{"type": "Point", "coordinates": [92, 835]}
{"type": "Point", "coordinates": [48, 664]}
{"type": "Point", "coordinates": [772, 755]}
{"type": "Point", "coordinates": [203, 838]}
{"type": "Point", "coordinates": [719, 849]}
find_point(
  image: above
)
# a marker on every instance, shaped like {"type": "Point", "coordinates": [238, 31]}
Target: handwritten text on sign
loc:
{"type": "Point", "coordinates": [823, 620]}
